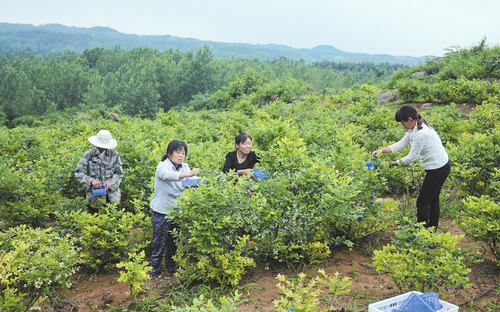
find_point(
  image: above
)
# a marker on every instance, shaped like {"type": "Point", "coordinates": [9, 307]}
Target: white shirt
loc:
{"type": "Point", "coordinates": [168, 186]}
{"type": "Point", "coordinates": [425, 144]}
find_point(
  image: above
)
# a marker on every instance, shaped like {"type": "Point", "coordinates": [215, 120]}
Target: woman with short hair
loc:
{"type": "Point", "coordinates": [169, 173]}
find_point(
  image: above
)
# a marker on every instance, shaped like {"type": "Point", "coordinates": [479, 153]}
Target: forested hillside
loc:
{"type": "Point", "coordinates": [55, 38]}
{"type": "Point", "coordinates": [140, 81]}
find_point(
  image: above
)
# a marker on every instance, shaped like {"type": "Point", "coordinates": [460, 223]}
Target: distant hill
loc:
{"type": "Point", "coordinates": [55, 38]}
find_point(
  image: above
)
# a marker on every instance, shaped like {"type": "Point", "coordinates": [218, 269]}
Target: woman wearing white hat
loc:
{"type": "Point", "coordinates": [100, 168]}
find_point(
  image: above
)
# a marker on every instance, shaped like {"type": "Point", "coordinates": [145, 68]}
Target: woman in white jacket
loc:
{"type": "Point", "coordinates": [169, 173]}
{"type": "Point", "coordinates": [426, 145]}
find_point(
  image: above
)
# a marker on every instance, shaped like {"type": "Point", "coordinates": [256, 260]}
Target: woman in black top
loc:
{"type": "Point", "coordinates": [242, 160]}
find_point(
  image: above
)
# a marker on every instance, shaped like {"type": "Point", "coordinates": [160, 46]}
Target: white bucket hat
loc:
{"type": "Point", "coordinates": [103, 139]}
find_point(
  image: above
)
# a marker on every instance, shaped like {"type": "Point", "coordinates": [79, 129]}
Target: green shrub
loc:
{"type": "Point", "coordinates": [481, 222]}
{"type": "Point", "coordinates": [474, 161]}
{"type": "Point", "coordinates": [299, 295]}
{"type": "Point", "coordinates": [136, 272]}
{"type": "Point", "coordinates": [448, 121]}
{"type": "Point", "coordinates": [484, 117]}
{"type": "Point", "coordinates": [458, 90]}
{"type": "Point", "coordinates": [225, 304]}
{"type": "Point", "coordinates": [106, 237]}
{"type": "Point", "coordinates": [214, 219]}
{"type": "Point", "coordinates": [26, 195]}
{"type": "Point", "coordinates": [33, 262]}
{"type": "Point", "coordinates": [422, 259]}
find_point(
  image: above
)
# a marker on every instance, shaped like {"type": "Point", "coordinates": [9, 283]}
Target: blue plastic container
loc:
{"type": "Point", "coordinates": [259, 174]}
{"type": "Point", "coordinates": [98, 192]}
{"type": "Point", "coordinates": [193, 182]}
{"type": "Point", "coordinates": [378, 164]}
{"type": "Point", "coordinates": [415, 303]}
{"type": "Point", "coordinates": [432, 299]}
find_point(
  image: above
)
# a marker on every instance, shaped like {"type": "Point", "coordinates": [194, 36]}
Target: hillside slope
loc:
{"type": "Point", "coordinates": [57, 38]}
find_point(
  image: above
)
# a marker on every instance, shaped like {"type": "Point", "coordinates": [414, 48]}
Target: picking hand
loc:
{"type": "Point", "coordinates": [375, 153]}
{"type": "Point", "coordinates": [195, 171]}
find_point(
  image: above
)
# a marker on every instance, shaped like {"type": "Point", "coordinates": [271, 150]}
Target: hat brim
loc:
{"type": "Point", "coordinates": [102, 144]}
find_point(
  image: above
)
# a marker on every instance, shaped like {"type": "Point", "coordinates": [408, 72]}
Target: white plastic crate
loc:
{"type": "Point", "coordinates": [394, 302]}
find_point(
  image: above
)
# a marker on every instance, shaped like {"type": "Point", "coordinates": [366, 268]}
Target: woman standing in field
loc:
{"type": "Point", "coordinates": [426, 145]}
{"type": "Point", "coordinates": [169, 173]}
{"type": "Point", "coordinates": [243, 159]}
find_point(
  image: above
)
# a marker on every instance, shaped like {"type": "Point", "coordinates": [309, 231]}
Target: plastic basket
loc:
{"type": "Point", "coordinates": [432, 299]}
{"type": "Point", "coordinates": [377, 164]}
{"type": "Point", "coordinates": [415, 304]}
{"type": "Point", "coordinates": [259, 174]}
{"type": "Point", "coordinates": [192, 182]}
{"type": "Point", "coordinates": [396, 302]}
{"type": "Point", "coordinates": [98, 192]}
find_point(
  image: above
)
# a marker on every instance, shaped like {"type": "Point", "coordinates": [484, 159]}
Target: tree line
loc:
{"type": "Point", "coordinates": [140, 81]}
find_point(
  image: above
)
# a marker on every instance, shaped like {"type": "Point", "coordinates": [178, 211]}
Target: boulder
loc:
{"type": "Point", "coordinates": [420, 75]}
{"type": "Point", "coordinates": [115, 117]}
{"type": "Point", "coordinates": [86, 117]}
{"type": "Point", "coordinates": [388, 96]}
{"type": "Point", "coordinates": [490, 79]}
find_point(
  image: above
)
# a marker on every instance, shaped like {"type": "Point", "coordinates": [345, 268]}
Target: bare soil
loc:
{"type": "Point", "coordinates": [100, 292]}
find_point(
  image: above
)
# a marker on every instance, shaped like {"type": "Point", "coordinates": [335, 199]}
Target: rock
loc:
{"type": "Point", "coordinates": [425, 105]}
{"type": "Point", "coordinates": [420, 75]}
{"type": "Point", "coordinates": [86, 117]}
{"type": "Point", "coordinates": [115, 117]}
{"type": "Point", "coordinates": [388, 96]}
{"type": "Point", "coordinates": [490, 79]}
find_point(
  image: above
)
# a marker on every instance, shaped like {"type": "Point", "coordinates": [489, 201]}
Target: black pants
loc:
{"type": "Point", "coordinates": [164, 246]}
{"type": "Point", "coordinates": [428, 200]}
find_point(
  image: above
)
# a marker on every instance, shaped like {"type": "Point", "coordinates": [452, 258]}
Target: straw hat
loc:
{"type": "Point", "coordinates": [103, 139]}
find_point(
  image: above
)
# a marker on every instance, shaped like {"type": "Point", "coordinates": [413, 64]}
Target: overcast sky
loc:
{"type": "Point", "coordinates": [395, 27]}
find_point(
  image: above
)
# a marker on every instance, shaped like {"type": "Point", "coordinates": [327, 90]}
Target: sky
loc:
{"type": "Point", "coordinates": [394, 27]}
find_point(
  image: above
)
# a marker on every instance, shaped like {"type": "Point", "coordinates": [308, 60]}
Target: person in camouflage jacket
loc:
{"type": "Point", "coordinates": [101, 167]}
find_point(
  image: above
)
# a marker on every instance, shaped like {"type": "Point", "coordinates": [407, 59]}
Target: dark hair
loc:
{"type": "Point", "coordinates": [407, 111]}
{"type": "Point", "coordinates": [175, 145]}
{"type": "Point", "coordinates": [241, 137]}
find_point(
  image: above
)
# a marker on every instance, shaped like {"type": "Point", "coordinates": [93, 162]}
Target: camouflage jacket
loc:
{"type": "Point", "coordinates": [105, 167]}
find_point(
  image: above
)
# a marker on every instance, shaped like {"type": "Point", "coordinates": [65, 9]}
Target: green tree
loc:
{"type": "Point", "coordinates": [139, 91]}
{"type": "Point", "coordinates": [194, 75]}
{"type": "Point", "coordinates": [96, 93]}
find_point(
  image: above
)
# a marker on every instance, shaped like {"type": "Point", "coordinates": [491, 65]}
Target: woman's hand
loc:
{"type": "Point", "coordinates": [381, 151]}
{"type": "Point", "coordinates": [194, 171]}
{"type": "Point", "coordinates": [375, 153]}
{"type": "Point", "coordinates": [191, 173]}
{"type": "Point", "coordinates": [245, 172]}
